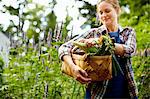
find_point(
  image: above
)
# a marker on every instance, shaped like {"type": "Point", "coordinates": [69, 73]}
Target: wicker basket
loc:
{"type": "Point", "coordinates": [98, 68]}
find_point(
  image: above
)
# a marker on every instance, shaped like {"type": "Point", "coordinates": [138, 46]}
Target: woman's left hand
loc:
{"type": "Point", "coordinates": [119, 49]}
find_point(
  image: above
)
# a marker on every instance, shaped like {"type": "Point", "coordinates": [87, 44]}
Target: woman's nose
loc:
{"type": "Point", "coordinates": [104, 15]}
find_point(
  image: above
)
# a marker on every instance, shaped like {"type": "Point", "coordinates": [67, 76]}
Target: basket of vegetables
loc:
{"type": "Point", "coordinates": [96, 60]}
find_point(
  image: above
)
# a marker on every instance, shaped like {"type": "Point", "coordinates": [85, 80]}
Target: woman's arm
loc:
{"type": "Point", "coordinates": [66, 48]}
{"type": "Point", "coordinates": [129, 47]}
{"type": "Point", "coordinates": [78, 73]}
{"type": "Point", "coordinates": [65, 55]}
{"type": "Point", "coordinates": [130, 43]}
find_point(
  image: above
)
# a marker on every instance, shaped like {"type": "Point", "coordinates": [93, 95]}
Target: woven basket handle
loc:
{"type": "Point", "coordinates": [75, 55]}
{"type": "Point", "coordinates": [74, 49]}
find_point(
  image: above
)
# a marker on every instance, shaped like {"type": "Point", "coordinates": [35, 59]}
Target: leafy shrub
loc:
{"type": "Point", "coordinates": [141, 66]}
{"type": "Point", "coordinates": [33, 74]}
{"type": "Point", "coordinates": [1, 71]}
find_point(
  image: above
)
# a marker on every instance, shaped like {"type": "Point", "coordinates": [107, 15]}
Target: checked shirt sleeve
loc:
{"type": "Point", "coordinates": [130, 42]}
{"type": "Point", "coordinates": [65, 49]}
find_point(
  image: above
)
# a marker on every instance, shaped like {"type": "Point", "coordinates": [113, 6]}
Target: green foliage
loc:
{"type": "Point", "coordinates": [1, 72]}
{"type": "Point", "coordinates": [138, 18]}
{"type": "Point", "coordinates": [141, 66]}
{"type": "Point", "coordinates": [13, 10]}
{"type": "Point", "coordinates": [64, 29]}
{"type": "Point", "coordinates": [35, 16]}
{"type": "Point", "coordinates": [91, 15]}
{"type": "Point", "coordinates": [51, 20]}
{"type": "Point", "coordinates": [101, 46]}
{"type": "Point", "coordinates": [34, 75]}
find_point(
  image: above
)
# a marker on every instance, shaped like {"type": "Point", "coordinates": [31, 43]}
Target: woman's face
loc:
{"type": "Point", "coordinates": [107, 14]}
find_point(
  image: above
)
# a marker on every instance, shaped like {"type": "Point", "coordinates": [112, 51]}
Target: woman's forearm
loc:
{"type": "Point", "coordinates": [69, 61]}
{"type": "Point", "coordinates": [123, 50]}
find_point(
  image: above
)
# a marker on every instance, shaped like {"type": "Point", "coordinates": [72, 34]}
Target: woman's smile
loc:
{"type": "Point", "coordinates": [106, 19]}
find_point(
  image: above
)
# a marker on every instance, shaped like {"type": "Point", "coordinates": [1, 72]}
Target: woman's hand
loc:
{"type": "Point", "coordinates": [89, 42]}
{"type": "Point", "coordinates": [80, 75]}
{"type": "Point", "coordinates": [119, 49]}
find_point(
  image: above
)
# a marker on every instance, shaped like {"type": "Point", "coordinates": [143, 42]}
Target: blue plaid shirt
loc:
{"type": "Point", "coordinates": [128, 38]}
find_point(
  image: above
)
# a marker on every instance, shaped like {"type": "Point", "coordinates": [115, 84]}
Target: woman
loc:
{"type": "Point", "coordinates": [122, 85]}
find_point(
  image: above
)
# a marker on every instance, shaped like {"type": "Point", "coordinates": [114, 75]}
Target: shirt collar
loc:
{"type": "Point", "coordinates": [120, 28]}
{"type": "Point", "coordinates": [104, 30]}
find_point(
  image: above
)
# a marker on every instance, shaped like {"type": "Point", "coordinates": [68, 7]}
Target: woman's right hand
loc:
{"type": "Point", "coordinates": [90, 42]}
{"type": "Point", "coordinates": [80, 75]}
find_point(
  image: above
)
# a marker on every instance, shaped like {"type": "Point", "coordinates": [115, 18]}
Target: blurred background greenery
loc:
{"type": "Point", "coordinates": [37, 28]}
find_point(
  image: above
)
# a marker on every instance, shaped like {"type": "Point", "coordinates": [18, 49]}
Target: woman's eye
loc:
{"type": "Point", "coordinates": [107, 11]}
{"type": "Point", "coordinates": [101, 12]}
